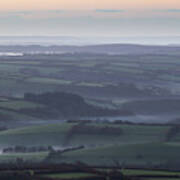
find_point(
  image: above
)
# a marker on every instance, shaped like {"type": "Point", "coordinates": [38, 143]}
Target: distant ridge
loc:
{"type": "Point", "coordinates": [85, 40]}
{"type": "Point", "coordinates": [111, 49]}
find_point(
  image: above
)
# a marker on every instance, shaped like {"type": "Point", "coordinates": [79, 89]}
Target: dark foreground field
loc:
{"type": "Point", "coordinates": [84, 172]}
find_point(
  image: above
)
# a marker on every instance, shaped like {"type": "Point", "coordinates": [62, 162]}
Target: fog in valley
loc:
{"type": "Point", "coordinates": [141, 80]}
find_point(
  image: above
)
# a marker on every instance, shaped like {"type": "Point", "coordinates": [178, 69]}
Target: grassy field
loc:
{"type": "Point", "coordinates": [19, 104]}
{"type": "Point", "coordinates": [148, 172]}
{"type": "Point", "coordinates": [38, 135]}
{"type": "Point", "coordinates": [111, 175]}
{"type": "Point", "coordinates": [31, 157]}
{"type": "Point", "coordinates": [70, 175]}
{"type": "Point", "coordinates": [13, 116]}
{"type": "Point", "coordinates": [32, 73]}
{"type": "Point", "coordinates": [139, 144]}
{"type": "Point", "coordinates": [56, 134]}
{"type": "Point", "coordinates": [136, 154]}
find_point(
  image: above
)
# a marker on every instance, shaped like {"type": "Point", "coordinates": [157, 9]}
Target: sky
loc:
{"type": "Point", "coordinates": [90, 17]}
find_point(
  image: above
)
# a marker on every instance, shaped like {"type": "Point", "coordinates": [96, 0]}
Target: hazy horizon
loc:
{"type": "Point", "coordinates": [88, 40]}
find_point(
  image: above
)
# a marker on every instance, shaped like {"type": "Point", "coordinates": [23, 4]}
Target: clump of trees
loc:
{"type": "Point", "coordinates": [57, 153]}
{"type": "Point", "coordinates": [23, 149]}
{"type": "Point", "coordinates": [173, 131]}
{"type": "Point", "coordinates": [92, 129]}
{"type": "Point", "coordinates": [87, 129]}
{"type": "Point", "coordinates": [67, 105]}
{"type": "Point", "coordinates": [80, 121]}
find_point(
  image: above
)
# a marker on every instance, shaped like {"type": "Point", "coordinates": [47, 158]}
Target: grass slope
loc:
{"type": "Point", "coordinates": [137, 154]}
{"type": "Point", "coordinates": [139, 144]}
{"type": "Point", "coordinates": [56, 134]}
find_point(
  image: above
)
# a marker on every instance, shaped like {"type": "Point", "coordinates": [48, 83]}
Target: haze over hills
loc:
{"type": "Point", "coordinates": [121, 49]}
{"type": "Point", "coordinates": [113, 101]}
{"type": "Point", "coordinates": [93, 40]}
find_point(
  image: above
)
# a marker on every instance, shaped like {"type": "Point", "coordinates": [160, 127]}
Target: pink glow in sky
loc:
{"type": "Point", "coordinates": [90, 17]}
{"type": "Point", "coordinates": [86, 4]}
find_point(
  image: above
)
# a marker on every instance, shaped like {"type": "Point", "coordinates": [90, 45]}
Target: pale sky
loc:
{"type": "Point", "coordinates": [85, 4]}
{"type": "Point", "coordinates": [90, 17]}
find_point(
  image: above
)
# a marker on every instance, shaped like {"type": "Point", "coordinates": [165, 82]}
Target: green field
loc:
{"type": "Point", "coordinates": [81, 71]}
{"type": "Point", "coordinates": [31, 157]}
{"type": "Point", "coordinates": [139, 144]}
{"type": "Point", "coordinates": [55, 135]}
{"type": "Point", "coordinates": [70, 175]}
{"type": "Point", "coordinates": [141, 154]}
{"type": "Point", "coordinates": [142, 145]}
{"type": "Point", "coordinates": [18, 104]}
{"type": "Point", "coordinates": [148, 172]}
{"type": "Point", "coordinates": [84, 175]}
{"type": "Point", "coordinates": [39, 135]}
